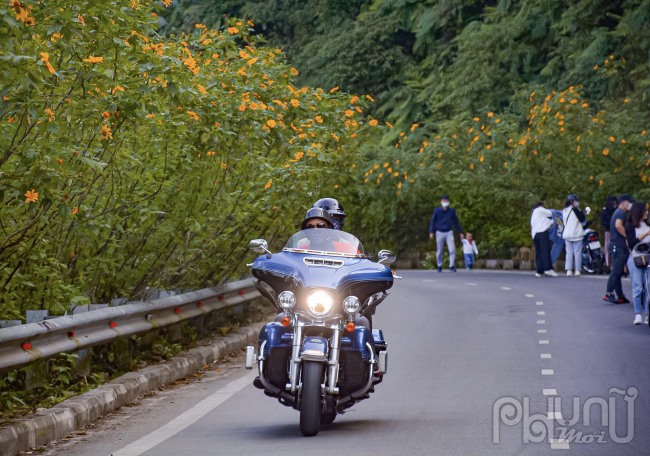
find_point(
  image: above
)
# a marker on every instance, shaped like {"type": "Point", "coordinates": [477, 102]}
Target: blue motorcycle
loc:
{"type": "Point", "coordinates": [320, 355]}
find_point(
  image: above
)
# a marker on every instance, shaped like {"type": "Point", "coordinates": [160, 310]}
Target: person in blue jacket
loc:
{"type": "Point", "coordinates": [443, 223]}
{"type": "Point", "coordinates": [555, 235]}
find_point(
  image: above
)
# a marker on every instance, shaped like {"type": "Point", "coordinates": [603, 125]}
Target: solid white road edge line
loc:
{"type": "Point", "coordinates": [187, 418]}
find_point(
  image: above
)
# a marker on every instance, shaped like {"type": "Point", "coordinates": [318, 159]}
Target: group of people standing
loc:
{"type": "Point", "coordinates": [629, 231]}
{"type": "Point", "coordinates": [570, 229]}
{"type": "Point", "coordinates": [626, 226]}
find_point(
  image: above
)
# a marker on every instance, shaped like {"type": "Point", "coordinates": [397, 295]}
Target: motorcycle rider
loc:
{"type": "Point", "coordinates": [317, 218]}
{"type": "Point", "coordinates": [334, 209]}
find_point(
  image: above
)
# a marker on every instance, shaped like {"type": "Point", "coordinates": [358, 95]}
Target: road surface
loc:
{"type": "Point", "coordinates": [480, 363]}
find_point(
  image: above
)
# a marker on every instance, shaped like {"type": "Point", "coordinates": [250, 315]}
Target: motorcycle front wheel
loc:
{"type": "Point", "coordinates": [312, 376]}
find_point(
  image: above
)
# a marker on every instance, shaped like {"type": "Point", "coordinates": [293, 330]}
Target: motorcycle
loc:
{"type": "Point", "coordinates": [320, 355]}
{"type": "Point", "coordinates": [592, 256]}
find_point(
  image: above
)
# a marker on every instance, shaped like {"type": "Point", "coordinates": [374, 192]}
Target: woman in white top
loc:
{"type": "Point", "coordinates": [637, 231]}
{"type": "Point", "coordinates": [540, 224]}
{"type": "Point", "coordinates": [573, 219]}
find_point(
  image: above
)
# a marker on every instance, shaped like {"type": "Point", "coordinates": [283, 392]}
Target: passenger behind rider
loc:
{"type": "Point", "coordinates": [337, 214]}
{"type": "Point", "coordinates": [334, 209]}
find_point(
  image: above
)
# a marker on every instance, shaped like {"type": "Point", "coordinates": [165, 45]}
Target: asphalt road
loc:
{"type": "Point", "coordinates": [480, 363]}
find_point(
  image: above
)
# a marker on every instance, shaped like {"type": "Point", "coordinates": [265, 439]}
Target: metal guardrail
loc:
{"type": "Point", "coordinates": [24, 344]}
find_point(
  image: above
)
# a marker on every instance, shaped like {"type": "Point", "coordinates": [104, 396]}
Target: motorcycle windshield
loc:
{"type": "Point", "coordinates": [324, 241]}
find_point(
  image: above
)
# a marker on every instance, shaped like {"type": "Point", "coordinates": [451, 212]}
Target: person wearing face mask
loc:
{"type": "Point", "coordinates": [618, 251]}
{"type": "Point", "coordinates": [443, 223]}
{"type": "Point", "coordinates": [573, 219]}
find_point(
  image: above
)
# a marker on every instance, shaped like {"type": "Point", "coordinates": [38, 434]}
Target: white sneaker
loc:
{"type": "Point", "coordinates": [577, 273]}
{"type": "Point", "coordinates": [551, 273]}
{"type": "Point", "coordinates": [569, 273]}
{"type": "Point", "coordinates": [637, 319]}
{"type": "Point", "coordinates": [537, 274]}
{"type": "Point", "coordinates": [646, 320]}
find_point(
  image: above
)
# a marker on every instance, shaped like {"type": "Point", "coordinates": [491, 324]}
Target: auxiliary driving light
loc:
{"type": "Point", "coordinates": [319, 302]}
{"type": "Point", "coordinates": [351, 304]}
{"type": "Point", "coordinates": [287, 300]}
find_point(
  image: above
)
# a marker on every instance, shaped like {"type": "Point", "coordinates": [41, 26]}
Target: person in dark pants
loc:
{"type": "Point", "coordinates": [611, 203]}
{"type": "Point", "coordinates": [618, 251]}
{"type": "Point", "coordinates": [540, 224]}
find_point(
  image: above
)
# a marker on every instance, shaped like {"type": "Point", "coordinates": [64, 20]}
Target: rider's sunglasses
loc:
{"type": "Point", "coordinates": [315, 225]}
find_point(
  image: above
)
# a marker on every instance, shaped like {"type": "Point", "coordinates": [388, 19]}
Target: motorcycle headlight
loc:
{"type": "Point", "coordinates": [286, 300]}
{"type": "Point", "coordinates": [319, 302]}
{"type": "Point", "coordinates": [351, 304]}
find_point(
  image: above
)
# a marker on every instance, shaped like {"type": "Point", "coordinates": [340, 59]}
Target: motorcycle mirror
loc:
{"type": "Point", "coordinates": [386, 256]}
{"type": "Point", "coordinates": [259, 246]}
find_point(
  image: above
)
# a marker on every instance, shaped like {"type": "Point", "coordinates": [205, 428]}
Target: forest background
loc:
{"type": "Point", "coordinates": [143, 144]}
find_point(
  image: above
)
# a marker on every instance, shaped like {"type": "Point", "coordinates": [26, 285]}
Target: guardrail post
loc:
{"type": "Point", "coordinates": [122, 355]}
{"type": "Point", "coordinates": [83, 364]}
{"type": "Point", "coordinates": [36, 374]}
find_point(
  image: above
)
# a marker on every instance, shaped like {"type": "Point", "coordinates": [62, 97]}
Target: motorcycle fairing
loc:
{"type": "Point", "coordinates": [276, 336]}
{"type": "Point", "coordinates": [356, 276]}
{"type": "Point", "coordinates": [356, 341]}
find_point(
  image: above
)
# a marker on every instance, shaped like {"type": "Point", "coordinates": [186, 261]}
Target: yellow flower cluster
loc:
{"type": "Point", "coordinates": [93, 59]}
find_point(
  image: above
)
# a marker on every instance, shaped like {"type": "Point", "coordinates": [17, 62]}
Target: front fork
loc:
{"type": "Point", "coordinates": [332, 363]}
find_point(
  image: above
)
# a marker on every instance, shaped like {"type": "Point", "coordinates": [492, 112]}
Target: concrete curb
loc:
{"type": "Point", "coordinates": [72, 414]}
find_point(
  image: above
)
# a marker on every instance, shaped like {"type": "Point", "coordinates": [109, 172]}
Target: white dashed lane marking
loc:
{"type": "Point", "coordinates": [559, 444]}
{"type": "Point", "coordinates": [552, 414]}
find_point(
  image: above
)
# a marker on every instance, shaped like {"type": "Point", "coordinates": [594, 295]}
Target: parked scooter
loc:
{"type": "Point", "coordinates": [320, 355]}
{"type": "Point", "coordinates": [592, 252]}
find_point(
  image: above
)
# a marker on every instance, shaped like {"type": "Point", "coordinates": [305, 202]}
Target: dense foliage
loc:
{"type": "Point", "coordinates": [130, 160]}
{"type": "Point", "coordinates": [499, 103]}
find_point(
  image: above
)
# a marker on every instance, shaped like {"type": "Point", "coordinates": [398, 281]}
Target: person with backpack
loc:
{"type": "Point", "coordinates": [555, 234]}
{"type": "Point", "coordinates": [573, 219]}
{"type": "Point", "coordinates": [605, 218]}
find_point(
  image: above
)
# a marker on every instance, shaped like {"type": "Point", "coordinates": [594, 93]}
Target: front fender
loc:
{"type": "Point", "coordinates": [314, 349]}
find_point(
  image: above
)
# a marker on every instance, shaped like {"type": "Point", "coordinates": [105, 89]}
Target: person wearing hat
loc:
{"type": "Point", "coordinates": [618, 251]}
{"type": "Point", "coordinates": [443, 223]}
